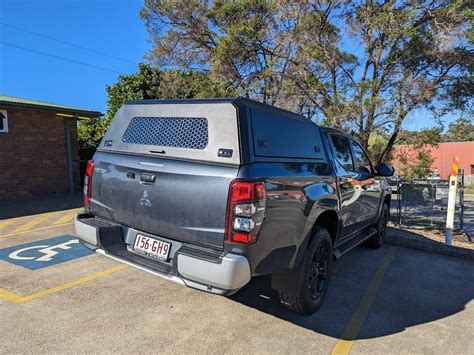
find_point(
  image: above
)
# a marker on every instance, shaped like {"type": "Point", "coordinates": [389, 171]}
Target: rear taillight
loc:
{"type": "Point", "coordinates": [88, 183]}
{"type": "Point", "coordinates": [245, 211]}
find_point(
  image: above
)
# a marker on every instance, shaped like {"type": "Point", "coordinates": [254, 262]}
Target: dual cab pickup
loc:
{"type": "Point", "coordinates": [209, 193]}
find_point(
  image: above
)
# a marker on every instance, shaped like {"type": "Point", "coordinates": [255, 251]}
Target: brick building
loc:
{"type": "Point", "coordinates": [442, 156]}
{"type": "Point", "coordinates": [39, 152]}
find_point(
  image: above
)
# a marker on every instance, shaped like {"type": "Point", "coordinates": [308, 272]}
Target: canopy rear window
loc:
{"type": "Point", "coordinates": [181, 132]}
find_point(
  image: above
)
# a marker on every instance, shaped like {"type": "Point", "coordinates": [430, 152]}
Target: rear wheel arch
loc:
{"type": "Point", "coordinates": [328, 220]}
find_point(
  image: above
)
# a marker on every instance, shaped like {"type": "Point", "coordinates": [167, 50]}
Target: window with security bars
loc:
{"type": "Point", "coordinates": [180, 132]}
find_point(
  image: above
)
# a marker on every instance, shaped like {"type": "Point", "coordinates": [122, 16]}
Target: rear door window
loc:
{"type": "Point", "coordinates": [342, 155]}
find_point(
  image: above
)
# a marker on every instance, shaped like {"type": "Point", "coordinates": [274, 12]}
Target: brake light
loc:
{"type": "Point", "coordinates": [245, 211]}
{"type": "Point", "coordinates": [88, 183]}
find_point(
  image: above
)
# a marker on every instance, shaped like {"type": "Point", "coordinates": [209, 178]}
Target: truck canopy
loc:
{"type": "Point", "coordinates": [222, 131]}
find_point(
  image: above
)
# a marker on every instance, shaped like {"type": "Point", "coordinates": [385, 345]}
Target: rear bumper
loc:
{"type": "Point", "coordinates": [223, 275]}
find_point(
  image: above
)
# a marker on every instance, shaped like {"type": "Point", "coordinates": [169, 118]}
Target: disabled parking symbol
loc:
{"type": "Point", "coordinates": [44, 253]}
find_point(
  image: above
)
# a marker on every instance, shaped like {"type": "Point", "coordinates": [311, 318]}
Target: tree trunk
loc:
{"type": "Point", "coordinates": [393, 138]}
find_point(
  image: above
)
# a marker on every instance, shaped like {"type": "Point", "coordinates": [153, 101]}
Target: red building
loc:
{"type": "Point", "coordinates": [443, 156]}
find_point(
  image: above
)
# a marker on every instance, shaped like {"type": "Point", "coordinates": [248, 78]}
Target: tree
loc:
{"type": "Point", "coordinates": [414, 51]}
{"type": "Point", "coordinates": [423, 166]}
{"type": "Point", "coordinates": [414, 164]}
{"type": "Point", "coordinates": [89, 134]}
{"type": "Point", "coordinates": [148, 83]}
{"type": "Point", "coordinates": [418, 139]}
{"type": "Point", "coordinates": [413, 155]}
{"type": "Point", "coordinates": [461, 130]}
{"type": "Point", "coordinates": [377, 144]}
{"type": "Point", "coordinates": [296, 55]}
{"type": "Point", "coordinates": [280, 53]}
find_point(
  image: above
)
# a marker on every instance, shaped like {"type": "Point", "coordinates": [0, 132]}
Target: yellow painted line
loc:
{"type": "Point", "coordinates": [344, 345]}
{"type": "Point", "coordinates": [22, 299]}
{"type": "Point", "coordinates": [7, 222]}
{"type": "Point", "coordinates": [33, 230]}
{"type": "Point", "coordinates": [68, 217]}
{"type": "Point", "coordinates": [34, 222]}
{"type": "Point", "coordinates": [9, 295]}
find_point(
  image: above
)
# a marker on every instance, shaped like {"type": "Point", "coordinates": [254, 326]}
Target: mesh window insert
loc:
{"type": "Point", "coordinates": [181, 132]}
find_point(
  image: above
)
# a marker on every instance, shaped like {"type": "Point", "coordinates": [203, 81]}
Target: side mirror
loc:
{"type": "Point", "coordinates": [384, 169]}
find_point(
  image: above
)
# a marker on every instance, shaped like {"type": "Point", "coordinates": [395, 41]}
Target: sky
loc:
{"type": "Point", "coordinates": [105, 38]}
{"type": "Point", "coordinates": [112, 27]}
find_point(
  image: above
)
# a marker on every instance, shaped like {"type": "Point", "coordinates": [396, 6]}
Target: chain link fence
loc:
{"type": "Point", "coordinates": [423, 204]}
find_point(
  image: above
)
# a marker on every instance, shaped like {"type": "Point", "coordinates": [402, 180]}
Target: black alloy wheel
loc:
{"type": "Point", "coordinates": [318, 273]}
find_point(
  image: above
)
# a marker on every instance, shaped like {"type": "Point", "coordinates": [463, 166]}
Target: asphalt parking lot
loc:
{"type": "Point", "coordinates": [55, 296]}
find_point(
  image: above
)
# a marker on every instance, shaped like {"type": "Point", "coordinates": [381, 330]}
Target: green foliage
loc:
{"type": "Point", "coordinates": [148, 83]}
{"type": "Point", "coordinates": [89, 134]}
{"type": "Point", "coordinates": [420, 166]}
{"type": "Point", "coordinates": [417, 169]}
{"type": "Point", "coordinates": [427, 136]}
{"type": "Point", "coordinates": [423, 166]}
{"type": "Point", "coordinates": [139, 86]}
{"type": "Point", "coordinates": [461, 130]}
{"type": "Point", "coordinates": [377, 143]}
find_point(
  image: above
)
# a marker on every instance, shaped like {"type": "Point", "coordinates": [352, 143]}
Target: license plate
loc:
{"type": "Point", "coordinates": [152, 247]}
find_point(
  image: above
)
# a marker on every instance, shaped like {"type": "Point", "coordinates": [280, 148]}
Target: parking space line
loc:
{"type": "Point", "coordinates": [22, 299]}
{"type": "Point", "coordinates": [33, 230]}
{"type": "Point", "coordinates": [7, 222]}
{"type": "Point", "coordinates": [34, 222]}
{"type": "Point", "coordinates": [344, 345]}
{"type": "Point", "coordinates": [68, 217]}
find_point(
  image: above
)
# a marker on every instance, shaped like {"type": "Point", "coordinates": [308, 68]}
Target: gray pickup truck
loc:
{"type": "Point", "coordinates": [209, 193]}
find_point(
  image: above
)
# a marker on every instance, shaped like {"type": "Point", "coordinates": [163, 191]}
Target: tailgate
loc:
{"type": "Point", "coordinates": [180, 200]}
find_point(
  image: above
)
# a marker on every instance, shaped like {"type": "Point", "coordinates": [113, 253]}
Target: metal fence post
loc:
{"type": "Point", "coordinates": [453, 183]}
{"type": "Point", "coordinates": [404, 204]}
{"type": "Point", "coordinates": [399, 201]}
{"type": "Point", "coordinates": [461, 199]}
{"type": "Point", "coordinates": [433, 192]}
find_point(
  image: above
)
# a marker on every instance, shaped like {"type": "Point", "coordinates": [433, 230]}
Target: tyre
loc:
{"type": "Point", "coordinates": [315, 275]}
{"type": "Point", "coordinates": [376, 241]}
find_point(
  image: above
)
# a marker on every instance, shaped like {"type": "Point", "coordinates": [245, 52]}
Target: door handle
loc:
{"type": "Point", "coordinates": [148, 178]}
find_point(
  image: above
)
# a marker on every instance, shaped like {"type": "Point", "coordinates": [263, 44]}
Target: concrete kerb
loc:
{"type": "Point", "coordinates": [407, 239]}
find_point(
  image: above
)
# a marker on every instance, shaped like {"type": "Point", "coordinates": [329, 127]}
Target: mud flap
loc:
{"type": "Point", "coordinates": [288, 282]}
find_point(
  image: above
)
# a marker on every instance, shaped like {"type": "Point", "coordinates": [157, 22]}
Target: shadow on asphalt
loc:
{"type": "Point", "coordinates": [418, 288]}
{"type": "Point", "coordinates": [37, 205]}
